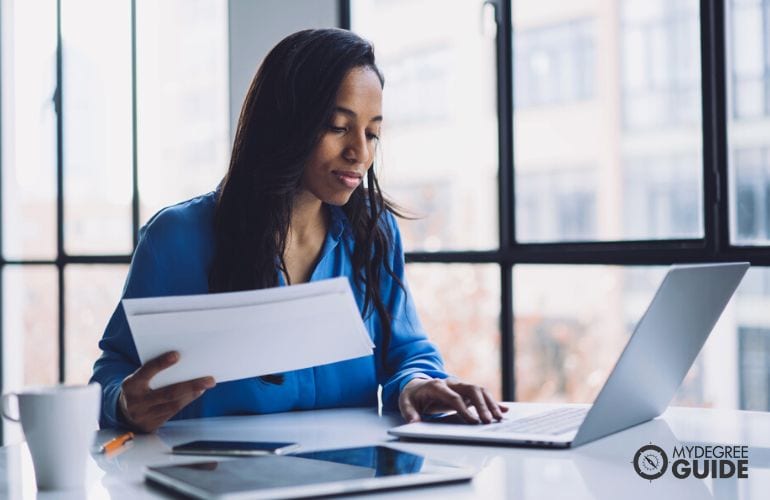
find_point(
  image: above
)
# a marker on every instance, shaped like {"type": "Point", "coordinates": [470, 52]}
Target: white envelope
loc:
{"type": "Point", "coordinates": [237, 335]}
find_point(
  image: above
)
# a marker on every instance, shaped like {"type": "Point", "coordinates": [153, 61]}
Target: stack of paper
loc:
{"type": "Point", "coordinates": [236, 335]}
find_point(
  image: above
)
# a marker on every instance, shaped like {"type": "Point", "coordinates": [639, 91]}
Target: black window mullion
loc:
{"type": "Point", "coordinates": [715, 154]}
{"type": "Point", "coordinates": [25, 263]}
{"type": "Point", "coordinates": [507, 344]}
{"type": "Point", "coordinates": [757, 256]}
{"type": "Point", "coordinates": [506, 190]}
{"type": "Point", "coordinates": [621, 252]}
{"type": "Point", "coordinates": [134, 147]}
{"type": "Point", "coordinates": [97, 259]}
{"type": "Point", "coordinates": [60, 274]}
{"type": "Point", "coordinates": [60, 253]}
{"type": "Point", "coordinates": [70, 259]}
{"type": "Point", "coordinates": [506, 178]}
{"type": "Point", "coordinates": [343, 14]}
{"type": "Point", "coordinates": [629, 252]}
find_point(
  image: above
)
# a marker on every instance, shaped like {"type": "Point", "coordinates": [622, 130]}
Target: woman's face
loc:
{"type": "Point", "coordinates": [346, 150]}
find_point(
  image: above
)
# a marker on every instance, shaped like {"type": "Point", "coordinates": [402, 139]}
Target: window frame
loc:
{"type": "Point", "coordinates": [714, 246]}
{"type": "Point", "coordinates": [63, 259]}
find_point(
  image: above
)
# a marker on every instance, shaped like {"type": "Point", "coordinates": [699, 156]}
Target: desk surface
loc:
{"type": "Point", "coordinates": [599, 470]}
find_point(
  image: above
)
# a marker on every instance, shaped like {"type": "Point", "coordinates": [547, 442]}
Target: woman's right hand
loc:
{"type": "Point", "coordinates": [145, 409]}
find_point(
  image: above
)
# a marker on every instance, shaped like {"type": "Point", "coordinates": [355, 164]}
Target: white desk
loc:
{"type": "Point", "coordinates": [598, 470]}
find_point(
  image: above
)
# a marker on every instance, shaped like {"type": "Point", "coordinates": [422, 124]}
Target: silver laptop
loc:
{"type": "Point", "coordinates": [656, 359]}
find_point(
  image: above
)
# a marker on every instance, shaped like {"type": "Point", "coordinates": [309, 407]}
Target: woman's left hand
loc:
{"type": "Point", "coordinates": [422, 396]}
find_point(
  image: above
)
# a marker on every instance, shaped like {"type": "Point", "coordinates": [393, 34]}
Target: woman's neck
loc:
{"type": "Point", "coordinates": [308, 217]}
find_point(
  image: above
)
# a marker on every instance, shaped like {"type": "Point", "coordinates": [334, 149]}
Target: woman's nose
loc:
{"type": "Point", "coordinates": [357, 150]}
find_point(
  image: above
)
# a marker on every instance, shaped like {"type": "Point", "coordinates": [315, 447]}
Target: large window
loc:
{"type": "Point", "coordinates": [626, 143]}
{"type": "Point", "coordinates": [103, 123]}
{"type": "Point", "coordinates": [556, 157]}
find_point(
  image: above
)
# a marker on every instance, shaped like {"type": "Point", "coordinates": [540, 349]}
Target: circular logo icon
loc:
{"type": "Point", "coordinates": [650, 462]}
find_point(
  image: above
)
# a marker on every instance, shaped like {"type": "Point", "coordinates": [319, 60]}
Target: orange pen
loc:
{"type": "Point", "coordinates": [115, 443]}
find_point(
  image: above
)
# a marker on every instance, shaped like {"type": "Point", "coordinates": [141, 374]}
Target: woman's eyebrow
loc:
{"type": "Point", "coordinates": [353, 114]}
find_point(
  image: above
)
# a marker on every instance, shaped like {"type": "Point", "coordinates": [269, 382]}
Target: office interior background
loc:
{"type": "Point", "coordinates": [557, 159]}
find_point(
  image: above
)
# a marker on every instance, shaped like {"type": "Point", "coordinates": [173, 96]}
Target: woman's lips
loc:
{"type": "Point", "coordinates": [350, 180]}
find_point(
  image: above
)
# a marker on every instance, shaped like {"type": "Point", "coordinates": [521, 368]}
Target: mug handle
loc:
{"type": "Point", "coordinates": [6, 414]}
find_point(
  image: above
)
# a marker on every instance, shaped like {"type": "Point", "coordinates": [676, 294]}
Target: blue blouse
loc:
{"type": "Point", "coordinates": [173, 257]}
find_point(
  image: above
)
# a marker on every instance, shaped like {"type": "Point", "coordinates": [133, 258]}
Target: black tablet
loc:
{"type": "Point", "coordinates": [329, 472]}
{"type": "Point", "coordinates": [234, 448]}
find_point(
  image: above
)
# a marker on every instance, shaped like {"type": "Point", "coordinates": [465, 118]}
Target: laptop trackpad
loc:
{"type": "Point", "coordinates": [447, 417]}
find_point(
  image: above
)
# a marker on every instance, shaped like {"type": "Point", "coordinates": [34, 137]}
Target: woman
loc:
{"type": "Point", "coordinates": [292, 208]}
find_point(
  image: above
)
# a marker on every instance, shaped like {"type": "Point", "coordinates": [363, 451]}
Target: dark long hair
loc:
{"type": "Point", "coordinates": [288, 107]}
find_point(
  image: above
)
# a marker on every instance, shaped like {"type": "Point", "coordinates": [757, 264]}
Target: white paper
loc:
{"type": "Point", "coordinates": [237, 335]}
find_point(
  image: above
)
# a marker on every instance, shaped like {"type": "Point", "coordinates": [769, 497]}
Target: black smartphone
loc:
{"type": "Point", "coordinates": [234, 448]}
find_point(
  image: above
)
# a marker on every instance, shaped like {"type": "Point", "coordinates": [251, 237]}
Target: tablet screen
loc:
{"type": "Point", "coordinates": [344, 467]}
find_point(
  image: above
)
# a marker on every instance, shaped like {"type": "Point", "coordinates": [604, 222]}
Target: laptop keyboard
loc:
{"type": "Point", "coordinates": [557, 421]}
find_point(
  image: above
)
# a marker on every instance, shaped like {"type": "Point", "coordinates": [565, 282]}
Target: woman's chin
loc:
{"type": "Point", "coordinates": [338, 200]}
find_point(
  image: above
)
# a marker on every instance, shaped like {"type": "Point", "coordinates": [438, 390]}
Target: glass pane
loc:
{"type": "Point", "coordinates": [182, 100]}
{"type": "Point", "coordinates": [748, 70]}
{"type": "Point", "coordinates": [97, 126]}
{"type": "Point", "coordinates": [572, 322]}
{"type": "Point", "coordinates": [459, 306]}
{"type": "Point", "coordinates": [92, 292]}
{"type": "Point", "coordinates": [752, 344]}
{"type": "Point", "coordinates": [607, 120]}
{"type": "Point", "coordinates": [29, 129]}
{"type": "Point", "coordinates": [30, 326]}
{"type": "Point", "coordinates": [438, 155]}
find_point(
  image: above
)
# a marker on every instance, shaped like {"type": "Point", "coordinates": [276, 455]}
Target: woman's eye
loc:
{"type": "Point", "coordinates": [341, 130]}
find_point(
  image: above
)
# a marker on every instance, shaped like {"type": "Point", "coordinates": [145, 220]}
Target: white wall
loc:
{"type": "Point", "coordinates": [256, 26]}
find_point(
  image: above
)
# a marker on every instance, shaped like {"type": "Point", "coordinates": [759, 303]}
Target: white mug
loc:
{"type": "Point", "coordinates": [59, 423]}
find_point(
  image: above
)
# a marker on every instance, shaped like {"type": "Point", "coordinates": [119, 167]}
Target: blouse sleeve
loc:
{"type": "Point", "coordinates": [410, 354]}
{"type": "Point", "coordinates": [119, 357]}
